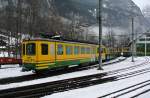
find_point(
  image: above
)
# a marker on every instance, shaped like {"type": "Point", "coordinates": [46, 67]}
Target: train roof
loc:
{"type": "Point", "coordinates": [64, 41]}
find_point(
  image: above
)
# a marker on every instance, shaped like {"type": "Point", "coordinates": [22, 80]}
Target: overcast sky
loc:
{"type": "Point", "coordinates": [142, 3]}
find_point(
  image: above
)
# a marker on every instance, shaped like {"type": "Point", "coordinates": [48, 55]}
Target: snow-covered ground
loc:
{"type": "Point", "coordinates": [13, 71]}
{"type": "Point", "coordinates": [102, 89]}
{"type": "Point", "coordinates": [88, 92]}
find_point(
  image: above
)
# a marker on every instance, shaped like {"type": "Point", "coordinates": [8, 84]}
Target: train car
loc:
{"type": "Point", "coordinates": [126, 51]}
{"type": "Point", "coordinates": [9, 60]}
{"type": "Point", "coordinates": [47, 54]}
{"type": "Point", "coordinates": [5, 59]}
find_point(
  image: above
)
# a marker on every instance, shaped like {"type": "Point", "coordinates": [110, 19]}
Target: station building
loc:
{"type": "Point", "coordinates": [143, 45]}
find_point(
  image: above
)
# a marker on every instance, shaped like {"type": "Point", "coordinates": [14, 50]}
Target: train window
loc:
{"type": "Point", "coordinates": [97, 50]}
{"type": "Point", "coordinates": [104, 50]}
{"type": "Point", "coordinates": [60, 49]}
{"type": "Point", "coordinates": [82, 50]}
{"type": "Point", "coordinates": [69, 50]}
{"type": "Point", "coordinates": [30, 49]}
{"type": "Point", "coordinates": [23, 49]}
{"type": "Point", "coordinates": [76, 50]}
{"type": "Point", "coordinates": [52, 49]}
{"type": "Point", "coordinates": [94, 51]}
{"type": "Point", "coordinates": [44, 48]}
{"type": "Point", "coordinates": [88, 50]}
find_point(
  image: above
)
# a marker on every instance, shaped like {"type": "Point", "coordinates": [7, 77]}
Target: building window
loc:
{"type": "Point", "coordinates": [60, 49]}
{"type": "Point", "coordinates": [69, 50]}
{"type": "Point", "coordinates": [143, 39]}
{"type": "Point", "coordinates": [44, 49]}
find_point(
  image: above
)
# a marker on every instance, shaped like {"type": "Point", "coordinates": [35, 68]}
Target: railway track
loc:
{"type": "Point", "coordinates": [141, 93]}
{"type": "Point", "coordinates": [51, 73]}
{"type": "Point", "coordinates": [129, 89]}
{"type": "Point", "coordinates": [39, 90]}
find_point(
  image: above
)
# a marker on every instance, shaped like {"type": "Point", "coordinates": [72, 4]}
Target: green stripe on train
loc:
{"type": "Point", "coordinates": [68, 62]}
{"type": "Point", "coordinates": [56, 64]}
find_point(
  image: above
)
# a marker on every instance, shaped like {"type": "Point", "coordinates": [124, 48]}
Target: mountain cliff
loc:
{"type": "Point", "coordinates": [43, 15]}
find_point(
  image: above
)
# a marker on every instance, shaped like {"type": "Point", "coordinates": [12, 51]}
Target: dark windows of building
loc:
{"type": "Point", "coordinates": [143, 39]}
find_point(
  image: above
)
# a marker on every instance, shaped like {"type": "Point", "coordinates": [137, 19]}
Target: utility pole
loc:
{"type": "Point", "coordinates": [100, 34]}
{"type": "Point", "coordinates": [18, 30]}
{"type": "Point", "coordinates": [132, 39]}
{"type": "Point", "coordinates": [135, 46]}
{"type": "Point", "coordinates": [145, 45]}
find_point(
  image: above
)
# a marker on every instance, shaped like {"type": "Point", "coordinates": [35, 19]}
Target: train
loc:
{"type": "Point", "coordinates": [47, 54]}
{"type": "Point", "coordinates": [5, 59]}
{"type": "Point", "coordinates": [10, 60]}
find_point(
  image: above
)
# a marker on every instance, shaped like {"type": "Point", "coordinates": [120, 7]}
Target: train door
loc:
{"type": "Point", "coordinates": [43, 55]}
{"type": "Point", "coordinates": [103, 54]}
{"type": "Point", "coordinates": [93, 54]}
{"type": "Point", "coordinates": [52, 52]}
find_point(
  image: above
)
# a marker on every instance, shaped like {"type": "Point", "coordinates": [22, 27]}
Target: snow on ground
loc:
{"type": "Point", "coordinates": [12, 72]}
{"type": "Point", "coordinates": [102, 89]}
{"type": "Point", "coordinates": [123, 64]}
{"type": "Point", "coordinates": [10, 66]}
{"type": "Point", "coordinates": [146, 95]}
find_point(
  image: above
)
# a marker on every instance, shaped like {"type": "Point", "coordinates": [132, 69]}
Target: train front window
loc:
{"type": "Point", "coordinates": [30, 49]}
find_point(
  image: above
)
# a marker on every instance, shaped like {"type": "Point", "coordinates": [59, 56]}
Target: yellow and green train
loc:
{"type": "Point", "coordinates": [41, 54]}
